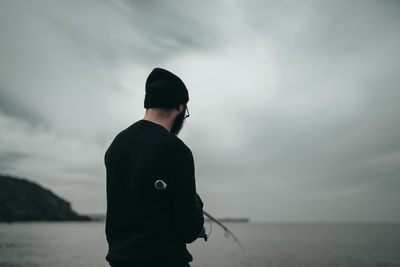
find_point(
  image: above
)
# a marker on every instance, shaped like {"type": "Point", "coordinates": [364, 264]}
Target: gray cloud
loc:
{"type": "Point", "coordinates": [9, 159]}
{"type": "Point", "coordinates": [294, 112]}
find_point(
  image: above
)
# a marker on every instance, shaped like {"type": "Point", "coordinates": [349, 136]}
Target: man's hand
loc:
{"type": "Point", "coordinates": [203, 234]}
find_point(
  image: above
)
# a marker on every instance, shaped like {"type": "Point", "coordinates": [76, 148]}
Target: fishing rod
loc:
{"type": "Point", "coordinates": [227, 231]}
{"type": "Point", "coordinates": [161, 185]}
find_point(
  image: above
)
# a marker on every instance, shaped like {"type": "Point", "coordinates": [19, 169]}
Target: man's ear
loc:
{"type": "Point", "coordinates": [180, 108]}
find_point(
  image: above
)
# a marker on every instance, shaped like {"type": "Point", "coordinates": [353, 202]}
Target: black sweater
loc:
{"type": "Point", "coordinates": [144, 224]}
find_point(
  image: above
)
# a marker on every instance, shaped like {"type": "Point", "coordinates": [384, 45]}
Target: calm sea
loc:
{"type": "Point", "coordinates": [77, 244]}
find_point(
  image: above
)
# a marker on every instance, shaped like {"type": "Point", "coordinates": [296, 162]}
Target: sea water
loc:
{"type": "Point", "coordinates": [74, 244]}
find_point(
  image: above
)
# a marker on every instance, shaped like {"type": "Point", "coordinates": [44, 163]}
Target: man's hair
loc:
{"type": "Point", "coordinates": [165, 112]}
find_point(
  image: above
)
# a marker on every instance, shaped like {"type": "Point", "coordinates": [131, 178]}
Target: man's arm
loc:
{"type": "Point", "coordinates": [187, 205]}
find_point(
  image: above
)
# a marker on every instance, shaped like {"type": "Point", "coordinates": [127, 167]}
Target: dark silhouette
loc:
{"type": "Point", "coordinates": [153, 209]}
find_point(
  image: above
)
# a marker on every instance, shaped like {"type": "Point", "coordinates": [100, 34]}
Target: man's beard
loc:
{"type": "Point", "coordinates": [178, 123]}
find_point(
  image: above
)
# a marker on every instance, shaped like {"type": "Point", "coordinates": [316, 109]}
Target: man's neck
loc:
{"type": "Point", "coordinates": [166, 123]}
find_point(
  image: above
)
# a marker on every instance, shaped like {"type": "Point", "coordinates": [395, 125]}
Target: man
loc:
{"type": "Point", "coordinates": [153, 209]}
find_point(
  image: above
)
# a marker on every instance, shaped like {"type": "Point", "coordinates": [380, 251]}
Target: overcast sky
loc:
{"type": "Point", "coordinates": [294, 112]}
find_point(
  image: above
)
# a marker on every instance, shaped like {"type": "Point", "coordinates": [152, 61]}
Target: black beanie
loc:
{"type": "Point", "coordinates": [164, 89]}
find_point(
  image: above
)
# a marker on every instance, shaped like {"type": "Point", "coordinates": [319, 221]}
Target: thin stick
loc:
{"type": "Point", "coordinates": [225, 229]}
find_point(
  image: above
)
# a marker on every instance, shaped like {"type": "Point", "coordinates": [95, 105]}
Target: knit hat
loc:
{"type": "Point", "coordinates": [164, 89]}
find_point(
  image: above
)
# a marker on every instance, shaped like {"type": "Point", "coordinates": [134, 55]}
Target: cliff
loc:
{"type": "Point", "coordinates": [22, 200]}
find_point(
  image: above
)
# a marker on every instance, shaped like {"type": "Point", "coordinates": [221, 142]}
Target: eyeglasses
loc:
{"type": "Point", "coordinates": [187, 114]}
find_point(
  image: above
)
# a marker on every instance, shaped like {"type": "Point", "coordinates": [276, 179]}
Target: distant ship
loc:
{"type": "Point", "coordinates": [102, 217]}
{"type": "Point", "coordinates": [236, 220]}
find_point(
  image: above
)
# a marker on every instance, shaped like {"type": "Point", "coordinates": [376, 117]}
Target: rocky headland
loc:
{"type": "Point", "coordinates": [23, 200]}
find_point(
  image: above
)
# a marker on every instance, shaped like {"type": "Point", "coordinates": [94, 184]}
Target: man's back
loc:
{"type": "Point", "coordinates": [145, 224]}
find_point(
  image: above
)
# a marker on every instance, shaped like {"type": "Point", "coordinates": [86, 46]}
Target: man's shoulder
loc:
{"type": "Point", "coordinates": [176, 144]}
{"type": "Point", "coordinates": [140, 128]}
{"type": "Point", "coordinates": [174, 140]}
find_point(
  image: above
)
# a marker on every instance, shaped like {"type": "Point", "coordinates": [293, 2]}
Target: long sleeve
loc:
{"type": "Point", "coordinates": [187, 205]}
{"type": "Point", "coordinates": [144, 224]}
